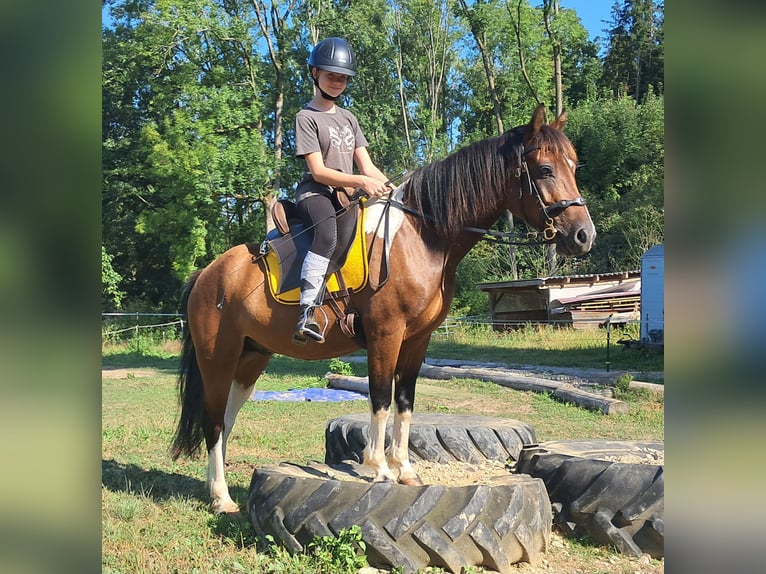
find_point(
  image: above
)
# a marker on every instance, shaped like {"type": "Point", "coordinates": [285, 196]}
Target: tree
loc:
{"type": "Point", "coordinates": [199, 100]}
{"type": "Point", "coordinates": [273, 22]}
{"type": "Point", "coordinates": [621, 148]}
{"type": "Point", "coordinates": [110, 282]}
{"type": "Point", "coordinates": [634, 62]}
{"type": "Point", "coordinates": [427, 39]}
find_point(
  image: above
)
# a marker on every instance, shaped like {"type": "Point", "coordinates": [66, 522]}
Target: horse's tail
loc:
{"type": "Point", "coordinates": [189, 433]}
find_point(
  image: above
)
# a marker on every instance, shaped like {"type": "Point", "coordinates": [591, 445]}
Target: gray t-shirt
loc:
{"type": "Point", "coordinates": [335, 135]}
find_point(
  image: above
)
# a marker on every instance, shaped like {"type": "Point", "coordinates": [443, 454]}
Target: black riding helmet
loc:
{"type": "Point", "coordinates": [333, 55]}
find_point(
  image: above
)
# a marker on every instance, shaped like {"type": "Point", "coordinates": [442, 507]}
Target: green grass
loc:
{"type": "Point", "coordinates": [155, 515]}
{"type": "Point", "coordinates": [546, 345]}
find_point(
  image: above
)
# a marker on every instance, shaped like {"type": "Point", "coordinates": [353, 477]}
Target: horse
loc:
{"type": "Point", "coordinates": [431, 221]}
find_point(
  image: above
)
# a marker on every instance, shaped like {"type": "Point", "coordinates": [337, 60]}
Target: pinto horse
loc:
{"type": "Point", "coordinates": [431, 222]}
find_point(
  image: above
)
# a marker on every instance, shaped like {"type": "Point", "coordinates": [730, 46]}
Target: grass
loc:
{"type": "Point", "coordinates": [547, 345]}
{"type": "Point", "coordinates": [155, 515]}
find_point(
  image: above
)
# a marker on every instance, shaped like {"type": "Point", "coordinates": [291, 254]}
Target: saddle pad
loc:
{"type": "Point", "coordinates": [285, 254]}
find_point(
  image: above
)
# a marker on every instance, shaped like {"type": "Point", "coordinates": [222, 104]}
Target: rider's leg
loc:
{"type": "Point", "coordinates": [319, 212]}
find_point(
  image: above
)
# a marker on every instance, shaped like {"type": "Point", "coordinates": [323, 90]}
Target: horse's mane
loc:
{"type": "Point", "coordinates": [470, 182]}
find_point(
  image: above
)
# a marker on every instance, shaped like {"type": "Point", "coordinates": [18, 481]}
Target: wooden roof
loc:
{"type": "Point", "coordinates": [562, 280]}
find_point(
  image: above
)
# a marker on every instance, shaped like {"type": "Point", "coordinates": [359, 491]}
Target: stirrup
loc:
{"type": "Point", "coordinates": [307, 327]}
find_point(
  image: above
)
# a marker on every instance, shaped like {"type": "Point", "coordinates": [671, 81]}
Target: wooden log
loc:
{"type": "Point", "coordinates": [348, 383]}
{"type": "Point", "coordinates": [654, 387]}
{"type": "Point", "coordinates": [562, 390]}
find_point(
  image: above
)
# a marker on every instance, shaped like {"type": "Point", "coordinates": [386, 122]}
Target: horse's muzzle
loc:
{"type": "Point", "coordinates": [578, 241]}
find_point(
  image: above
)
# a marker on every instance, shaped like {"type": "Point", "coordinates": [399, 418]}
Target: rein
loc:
{"type": "Point", "coordinates": [512, 238]}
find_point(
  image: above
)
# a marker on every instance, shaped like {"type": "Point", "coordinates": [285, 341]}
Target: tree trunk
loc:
{"type": "Point", "coordinates": [550, 11]}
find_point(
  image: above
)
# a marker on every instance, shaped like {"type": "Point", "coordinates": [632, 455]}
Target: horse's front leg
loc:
{"type": "Point", "coordinates": [374, 452]}
{"type": "Point", "coordinates": [410, 360]}
{"type": "Point", "coordinates": [381, 362]}
{"type": "Point", "coordinates": [398, 453]}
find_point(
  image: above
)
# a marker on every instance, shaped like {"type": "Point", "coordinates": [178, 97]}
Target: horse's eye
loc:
{"type": "Point", "coordinates": [545, 171]}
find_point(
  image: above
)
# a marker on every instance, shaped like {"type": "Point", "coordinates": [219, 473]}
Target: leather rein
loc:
{"type": "Point", "coordinates": [512, 238]}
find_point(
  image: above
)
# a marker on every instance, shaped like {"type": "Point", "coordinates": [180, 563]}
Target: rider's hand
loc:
{"type": "Point", "coordinates": [373, 187]}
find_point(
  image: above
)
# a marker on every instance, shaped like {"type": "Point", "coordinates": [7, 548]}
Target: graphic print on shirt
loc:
{"type": "Point", "coordinates": [342, 138]}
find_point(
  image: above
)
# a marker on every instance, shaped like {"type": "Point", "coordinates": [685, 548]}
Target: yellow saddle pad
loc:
{"type": "Point", "coordinates": [355, 270]}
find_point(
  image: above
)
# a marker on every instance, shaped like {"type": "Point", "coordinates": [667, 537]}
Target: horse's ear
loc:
{"type": "Point", "coordinates": [538, 119]}
{"type": "Point", "coordinates": [560, 121]}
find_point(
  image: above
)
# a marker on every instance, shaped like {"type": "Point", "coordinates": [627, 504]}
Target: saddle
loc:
{"type": "Point", "coordinates": [285, 248]}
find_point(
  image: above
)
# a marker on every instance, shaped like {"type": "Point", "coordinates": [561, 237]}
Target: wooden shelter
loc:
{"type": "Point", "coordinates": [580, 301]}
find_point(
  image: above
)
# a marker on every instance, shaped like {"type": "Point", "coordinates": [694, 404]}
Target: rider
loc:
{"type": "Point", "coordinates": [330, 140]}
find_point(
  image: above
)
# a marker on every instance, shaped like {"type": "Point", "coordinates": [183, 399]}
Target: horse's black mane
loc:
{"type": "Point", "coordinates": [452, 191]}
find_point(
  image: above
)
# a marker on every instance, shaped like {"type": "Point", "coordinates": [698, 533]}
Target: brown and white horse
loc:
{"type": "Point", "coordinates": [235, 324]}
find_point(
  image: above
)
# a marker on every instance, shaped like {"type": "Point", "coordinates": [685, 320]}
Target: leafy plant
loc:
{"type": "Point", "coordinates": [342, 554]}
{"type": "Point", "coordinates": [340, 367]}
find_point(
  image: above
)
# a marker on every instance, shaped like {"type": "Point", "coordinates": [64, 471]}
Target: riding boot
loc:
{"type": "Point", "coordinates": [307, 326]}
{"type": "Point", "coordinates": [312, 291]}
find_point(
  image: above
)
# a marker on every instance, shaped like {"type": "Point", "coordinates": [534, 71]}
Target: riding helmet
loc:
{"type": "Point", "coordinates": [333, 55]}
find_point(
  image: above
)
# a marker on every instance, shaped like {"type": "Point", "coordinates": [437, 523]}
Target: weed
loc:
{"type": "Point", "coordinates": [623, 382]}
{"type": "Point", "coordinates": [343, 554]}
{"type": "Point", "coordinates": [340, 367]}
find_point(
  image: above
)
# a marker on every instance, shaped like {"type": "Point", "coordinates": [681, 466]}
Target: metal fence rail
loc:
{"type": "Point", "coordinates": [124, 327]}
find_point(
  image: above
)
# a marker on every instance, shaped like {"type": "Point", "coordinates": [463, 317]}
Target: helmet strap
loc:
{"type": "Point", "coordinates": [325, 95]}
{"type": "Point", "coordinates": [322, 93]}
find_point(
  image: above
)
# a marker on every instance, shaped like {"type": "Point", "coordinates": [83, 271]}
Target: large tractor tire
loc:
{"type": "Point", "coordinates": [434, 437]}
{"type": "Point", "coordinates": [610, 491]}
{"type": "Point", "coordinates": [495, 525]}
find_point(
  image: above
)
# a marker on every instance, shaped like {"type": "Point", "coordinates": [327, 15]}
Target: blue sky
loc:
{"type": "Point", "coordinates": [592, 14]}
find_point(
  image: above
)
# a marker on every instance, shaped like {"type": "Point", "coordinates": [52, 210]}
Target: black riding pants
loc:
{"type": "Point", "coordinates": [318, 211]}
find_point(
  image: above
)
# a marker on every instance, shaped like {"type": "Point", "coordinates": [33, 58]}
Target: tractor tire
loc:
{"type": "Point", "coordinates": [434, 437]}
{"type": "Point", "coordinates": [494, 525]}
{"type": "Point", "coordinates": [610, 491]}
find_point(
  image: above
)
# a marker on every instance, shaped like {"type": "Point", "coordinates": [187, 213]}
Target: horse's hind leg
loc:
{"type": "Point", "coordinates": [220, 424]}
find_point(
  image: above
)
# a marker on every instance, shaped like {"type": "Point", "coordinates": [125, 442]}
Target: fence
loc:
{"type": "Point", "coordinates": [135, 327]}
{"type": "Point", "coordinates": [122, 327]}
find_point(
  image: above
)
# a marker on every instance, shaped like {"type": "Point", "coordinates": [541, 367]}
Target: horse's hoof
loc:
{"type": "Point", "coordinates": [411, 481]}
{"type": "Point", "coordinates": [383, 479]}
{"type": "Point", "coordinates": [225, 507]}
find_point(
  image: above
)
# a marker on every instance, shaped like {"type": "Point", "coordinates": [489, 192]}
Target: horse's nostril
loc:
{"type": "Point", "coordinates": [582, 237]}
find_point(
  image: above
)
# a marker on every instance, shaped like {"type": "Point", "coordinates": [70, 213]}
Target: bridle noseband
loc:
{"type": "Point", "coordinates": [549, 211]}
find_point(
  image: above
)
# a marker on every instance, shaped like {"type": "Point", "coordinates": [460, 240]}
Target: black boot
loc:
{"type": "Point", "coordinates": [307, 327]}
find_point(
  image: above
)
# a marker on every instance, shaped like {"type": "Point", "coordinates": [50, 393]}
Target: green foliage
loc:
{"type": "Point", "coordinates": [110, 282]}
{"type": "Point", "coordinates": [623, 382]}
{"type": "Point", "coordinates": [340, 367]}
{"type": "Point", "coordinates": [198, 106]}
{"type": "Point", "coordinates": [342, 554]}
{"type": "Point", "coordinates": [620, 144]}
{"type": "Point", "coordinates": [635, 61]}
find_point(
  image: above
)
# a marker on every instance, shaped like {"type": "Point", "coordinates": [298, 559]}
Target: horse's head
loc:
{"type": "Point", "coordinates": [550, 200]}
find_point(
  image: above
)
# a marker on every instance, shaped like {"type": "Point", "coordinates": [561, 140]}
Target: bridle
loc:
{"type": "Point", "coordinates": [507, 238]}
{"type": "Point", "coordinates": [549, 211]}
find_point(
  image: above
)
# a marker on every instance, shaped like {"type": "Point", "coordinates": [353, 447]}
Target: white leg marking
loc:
{"type": "Point", "coordinates": [398, 453]}
{"type": "Point", "coordinates": [374, 454]}
{"type": "Point", "coordinates": [216, 479]}
{"type": "Point", "coordinates": [219, 491]}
